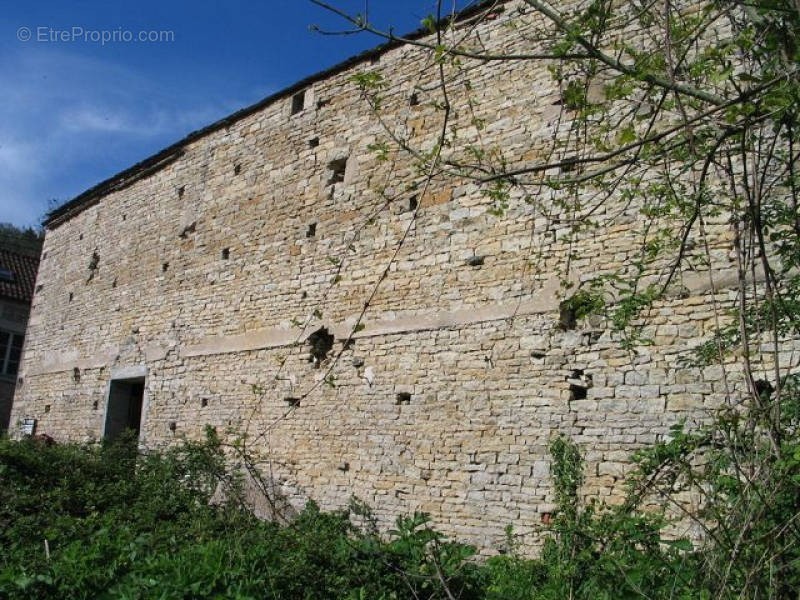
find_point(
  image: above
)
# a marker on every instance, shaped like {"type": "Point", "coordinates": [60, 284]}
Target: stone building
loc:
{"type": "Point", "coordinates": [217, 283]}
{"type": "Point", "coordinates": [19, 259]}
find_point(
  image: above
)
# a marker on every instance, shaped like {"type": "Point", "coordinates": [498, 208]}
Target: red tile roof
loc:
{"type": "Point", "coordinates": [24, 268]}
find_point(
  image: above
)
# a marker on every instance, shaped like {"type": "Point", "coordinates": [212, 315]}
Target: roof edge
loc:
{"type": "Point", "coordinates": [162, 158]}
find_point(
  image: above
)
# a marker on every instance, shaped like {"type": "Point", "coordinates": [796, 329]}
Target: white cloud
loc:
{"type": "Point", "coordinates": [68, 121]}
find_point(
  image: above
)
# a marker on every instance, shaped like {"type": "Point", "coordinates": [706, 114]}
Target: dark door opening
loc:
{"type": "Point", "coordinates": [124, 410]}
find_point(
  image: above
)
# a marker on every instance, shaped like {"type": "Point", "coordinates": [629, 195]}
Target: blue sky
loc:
{"type": "Point", "coordinates": [74, 112]}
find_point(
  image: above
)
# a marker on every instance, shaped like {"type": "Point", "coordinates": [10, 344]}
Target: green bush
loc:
{"type": "Point", "coordinates": [109, 522]}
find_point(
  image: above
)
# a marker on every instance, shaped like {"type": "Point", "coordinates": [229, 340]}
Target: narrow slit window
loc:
{"type": "Point", "coordinates": [298, 102]}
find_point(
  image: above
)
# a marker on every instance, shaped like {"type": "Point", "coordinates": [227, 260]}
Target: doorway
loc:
{"type": "Point", "coordinates": [124, 411]}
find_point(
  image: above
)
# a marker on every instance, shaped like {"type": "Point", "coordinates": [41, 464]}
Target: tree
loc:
{"type": "Point", "coordinates": [683, 116]}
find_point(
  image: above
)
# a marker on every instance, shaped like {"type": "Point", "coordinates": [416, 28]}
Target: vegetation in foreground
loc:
{"type": "Point", "coordinates": [109, 522]}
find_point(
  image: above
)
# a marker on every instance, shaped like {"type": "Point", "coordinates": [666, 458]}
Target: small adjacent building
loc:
{"type": "Point", "coordinates": [19, 261]}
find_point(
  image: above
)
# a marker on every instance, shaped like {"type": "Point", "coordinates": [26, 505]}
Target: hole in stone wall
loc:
{"type": "Point", "coordinates": [313, 142]}
{"type": "Point", "coordinates": [476, 261]}
{"type": "Point", "coordinates": [181, 190]}
{"type": "Point", "coordinates": [577, 392]}
{"type": "Point", "coordinates": [322, 103]}
{"type": "Point", "coordinates": [188, 229]}
{"type": "Point", "coordinates": [93, 262]}
{"type": "Point", "coordinates": [344, 467]}
{"type": "Point", "coordinates": [763, 388]}
{"type": "Point", "coordinates": [76, 374]}
{"type": "Point", "coordinates": [71, 295]}
{"type": "Point", "coordinates": [312, 230]}
{"type": "Point", "coordinates": [226, 253]}
{"type": "Point", "coordinates": [237, 169]}
{"type": "Point", "coordinates": [164, 267]}
{"type": "Point", "coordinates": [321, 342]}
{"type": "Point", "coordinates": [114, 283]}
{"type": "Point", "coordinates": [292, 401]}
{"type": "Point", "coordinates": [80, 237]}
{"type": "Point", "coordinates": [203, 402]}
{"type": "Point", "coordinates": [413, 203]}
{"type": "Point", "coordinates": [47, 408]}
{"type": "Point", "coordinates": [94, 405]}
{"type": "Point", "coordinates": [569, 167]}
{"type": "Point", "coordinates": [402, 398]}
{"type": "Point", "coordinates": [173, 426]}
{"type": "Point", "coordinates": [337, 168]}
{"type": "Point", "coordinates": [579, 383]}
{"type": "Point", "coordinates": [567, 315]}
{"type": "Point", "coordinates": [298, 102]}
{"type": "Point", "coordinates": [413, 100]}
{"type": "Point", "coordinates": [124, 217]}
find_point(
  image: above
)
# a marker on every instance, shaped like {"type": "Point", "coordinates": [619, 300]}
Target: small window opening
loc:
{"type": "Point", "coordinates": [173, 425]}
{"type": "Point", "coordinates": [47, 408]}
{"type": "Point", "coordinates": [312, 230]}
{"type": "Point", "coordinates": [313, 142]}
{"type": "Point", "coordinates": [181, 190]}
{"type": "Point", "coordinates": [71, 295]}
{"type": "Point", "coordinates": [76, 374]}
{"type": "Point", "coordinates": [298, 102]}
{"type": "Point", "coordinates": [292, 401]}
{"type": "Point", "coordinates": [124, 409]}
{"type": "Point", "coordinates": [237, 168]}
{"type": "Point", "coordinates": [403, 398]}
{"type": "Point", "coordinates": [321, 342]}
{"type": "Point", "coordinates": [124, 217]}
{"type": "Point", "coordinates": [164, 267]}
{"type": "Point", "coordinates": [323, 103]}
{"type": "Point", "coordinates": [413, 99]}
{"type": "Point", "coordinates": [476, 261]}
{"type": "Point", "coordinates": [226, 253]}
{"type": "Point", "coordinates": [94, 405]}
{"type": "Point", "coordinates": [413, 203]}
{"type": "Point", "coordinates": [203, 402]}
{"type": "Point", "coordinates": [337, 168]}
{"type": "Point", "coordinates": [114, 283]}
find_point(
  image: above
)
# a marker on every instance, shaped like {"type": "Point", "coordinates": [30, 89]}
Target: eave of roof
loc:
{"type": "Point", "coordinates": [168, 155]}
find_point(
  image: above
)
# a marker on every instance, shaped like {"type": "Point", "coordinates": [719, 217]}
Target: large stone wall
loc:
{"type": "Point", "coordinates": [445, 401]}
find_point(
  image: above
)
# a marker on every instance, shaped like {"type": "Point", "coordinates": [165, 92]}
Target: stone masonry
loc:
{"type": "Point", "coordinates": [205, 269]}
